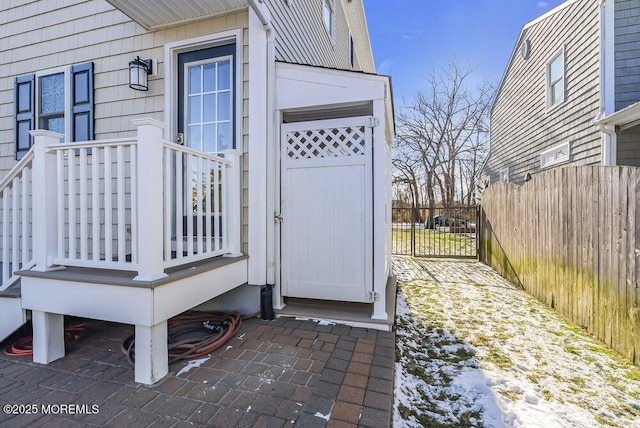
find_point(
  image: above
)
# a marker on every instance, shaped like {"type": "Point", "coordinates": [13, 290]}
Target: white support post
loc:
{"type": "Point", "coordinates": [152, 357]}
{"type": "Point", "coordinates": [379, 277]}
{"type": "Point", "coordinates": [44, 200]}
{"type": "Point", "coordinates": [233, 208]}
{"type": "Point", "coordinates": [260, 217]}
{"type": "Point", "coordinates": [149, 204]}
{"type": "Point", "coordinates": [48, 337]}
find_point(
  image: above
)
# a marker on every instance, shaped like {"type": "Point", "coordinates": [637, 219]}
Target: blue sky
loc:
{"type": "Point", "coordinates": [411, 37]}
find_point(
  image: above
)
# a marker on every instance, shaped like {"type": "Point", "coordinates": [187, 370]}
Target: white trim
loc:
{"type": "Point", "coordinates": [185, 96]}
{"type": "Point", "coordinates": [331, 25]}
{"type": "Point", "coordinates": [171, 51]}
{"type": "Point", "coordinates": [68, 102]}
{"type": "Point", "coordinates": [624, 118]}
{"type": "Point", "coordinates": [607, 58]}
{"type": "Point", "coordinates": [258, 141]}
{"type": "Point", "coordinates": [553, 11]}
{"type": "Point", "coordinates": [560, 53]}
{"type": "Point", "coordinates": [555, 151]}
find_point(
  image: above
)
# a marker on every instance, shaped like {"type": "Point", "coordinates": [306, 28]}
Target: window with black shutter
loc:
{"type": "Point", "coordinates": [24, 113]}
{"type": "Point", "coordinates": [60, 100]}
{"type": "Point", "coordinates": [82, 102]}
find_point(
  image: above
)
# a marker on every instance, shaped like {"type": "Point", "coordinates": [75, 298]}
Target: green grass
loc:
{"type": "Point", "coordinates": [432, 242]}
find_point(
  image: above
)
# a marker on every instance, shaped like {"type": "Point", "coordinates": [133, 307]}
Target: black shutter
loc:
{"type": "Point", "coordinates": [82, 102]}
{"type": "Point", "coordinates": [24, 107]}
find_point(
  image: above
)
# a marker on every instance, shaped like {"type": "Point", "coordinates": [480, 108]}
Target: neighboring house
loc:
{"type": "Point", "coordinates": [258, 158]}
{"type": "Point", "coordinates": [569, 93]}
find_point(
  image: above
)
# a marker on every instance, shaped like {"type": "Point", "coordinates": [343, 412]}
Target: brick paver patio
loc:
{"type": "Point", "coordinates": [277, 373]}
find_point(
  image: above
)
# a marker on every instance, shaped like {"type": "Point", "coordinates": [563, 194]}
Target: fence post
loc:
{"type": "Point", "coordinates": [413, 230]}
{"type": "Point", "coordinates": [44, 197]}
{"type": "Point", "coordinates": [478, 231]}
{"type": "Point", "coordinates": [149, 204]}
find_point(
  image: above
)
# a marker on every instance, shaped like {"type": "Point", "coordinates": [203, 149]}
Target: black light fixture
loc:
{"type": "Point", "coordinates": [138, 74]}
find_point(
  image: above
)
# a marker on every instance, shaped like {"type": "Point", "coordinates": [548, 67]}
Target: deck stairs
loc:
{"type": "Point", "coordinates": [79, 205]}
{"type": "Point", "coordinates": [12, 315]}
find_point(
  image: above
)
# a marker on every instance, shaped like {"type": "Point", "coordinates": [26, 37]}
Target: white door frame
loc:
{"type": "Point", "coordinates": [171, 51]}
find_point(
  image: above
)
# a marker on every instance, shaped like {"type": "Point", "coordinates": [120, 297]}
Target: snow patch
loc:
{"type": "Point", "coordinates": [192, 364]}
{"type": "Point", "coordinates": [321, 416]}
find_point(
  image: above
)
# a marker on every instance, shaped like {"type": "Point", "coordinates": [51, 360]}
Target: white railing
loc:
{"type": "Point", "coordinates": [96, 204]}
{"type": "Point", "coordinates": [195, 198]}
{"type": "Point", "coordinates": [139, 204]}
{"type": "Point", "coordinates": [15, 221]}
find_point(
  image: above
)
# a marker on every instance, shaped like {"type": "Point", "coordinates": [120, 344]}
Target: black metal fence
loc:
{"type": "Point", "coordinates": [448, 232]}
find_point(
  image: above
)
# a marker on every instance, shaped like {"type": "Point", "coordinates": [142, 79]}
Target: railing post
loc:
{"type": "Point", "coordinates": [233, 209]}
{"type": "Point", "coordinates": [44, 200]}
{"type": "Point", "coordinates": [149, 205]}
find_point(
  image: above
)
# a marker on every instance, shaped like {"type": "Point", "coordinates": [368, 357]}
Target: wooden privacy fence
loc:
{"type": "Point", "coordinates": [571, 237]}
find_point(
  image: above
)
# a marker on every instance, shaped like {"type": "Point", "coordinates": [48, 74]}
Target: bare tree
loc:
{"type": "Point", "coordinates": [441, 137]}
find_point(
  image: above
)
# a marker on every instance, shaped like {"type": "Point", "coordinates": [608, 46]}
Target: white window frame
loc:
{"type": "Point", "coordinates": [66, 72]}
{"type": "Point", "coordinates": [555, 156]}
{"type": "Point", "coordinates": [331, 25]}
{"type": "Point", "coordinates": [232, 94]}
{"type": "Point", "coordinates": [549, 83]}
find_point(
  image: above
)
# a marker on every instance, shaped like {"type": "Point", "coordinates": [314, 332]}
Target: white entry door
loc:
{"type": "Point", "coordinates": [326, 206]}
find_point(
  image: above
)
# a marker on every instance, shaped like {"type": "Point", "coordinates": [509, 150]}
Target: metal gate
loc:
{"type": "Point", "coordinates": [449, 232]}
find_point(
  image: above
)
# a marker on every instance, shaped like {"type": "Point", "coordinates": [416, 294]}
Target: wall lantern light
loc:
{"type": "Point", "coordinates": [139, 71]}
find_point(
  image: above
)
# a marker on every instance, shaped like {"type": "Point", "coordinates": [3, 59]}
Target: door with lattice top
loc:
{"type": "Point", "coordinates": [326, 205]}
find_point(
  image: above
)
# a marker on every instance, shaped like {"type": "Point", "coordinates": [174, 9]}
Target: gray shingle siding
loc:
{"type": "Point", "coordinates": [521, 126]}
{"type": "Point", "coordinates": [301, 35]}
{"type": "Point", "coordinates": [628, 148]}
{"type": "Point", "coordinates": [627, 52]}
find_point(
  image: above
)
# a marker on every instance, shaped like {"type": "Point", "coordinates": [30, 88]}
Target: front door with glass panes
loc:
{"type": "Point", "coordinates": [206, 98]}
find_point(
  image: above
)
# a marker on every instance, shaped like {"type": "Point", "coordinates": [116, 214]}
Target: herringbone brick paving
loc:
{"type": "Point", "coordinates": [278, 373]}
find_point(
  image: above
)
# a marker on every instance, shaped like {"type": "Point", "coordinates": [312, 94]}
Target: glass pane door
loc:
{"type": "Point", "coordinates": [208, 103]}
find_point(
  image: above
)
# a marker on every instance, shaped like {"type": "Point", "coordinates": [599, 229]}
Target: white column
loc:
{"type": "Point", "coordinates": [233, 210]}
{"type": "Point", "coordinates": [44, 200]}
{"type": "Point", "coordinates": [48, 337]}
{"type": "Point", "coordinates": [379, 180]}
{"type": "Point", "coordinates": [258, 144]}
{"type": "Point", "coordinates": [152, 356]}
{"type": "Point", "coordinates": [149, 204]}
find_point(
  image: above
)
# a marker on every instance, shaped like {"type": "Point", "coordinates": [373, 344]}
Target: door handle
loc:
{"type": "Point", "coordinates": [180, 138]}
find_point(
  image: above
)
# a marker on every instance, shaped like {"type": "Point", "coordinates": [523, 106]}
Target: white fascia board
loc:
{"type": "Point", "coordinates": [299, 86]}
{"type": "Point", "coordinates": [623, 117]}
{"type": "Point", "coordinates": [355, 13]}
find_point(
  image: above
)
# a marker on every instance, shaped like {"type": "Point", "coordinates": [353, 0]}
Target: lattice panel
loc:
{"type": "Point", "coordinates": [326, 143]}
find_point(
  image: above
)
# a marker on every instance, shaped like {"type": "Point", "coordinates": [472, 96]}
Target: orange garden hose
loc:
{"type": "Point", "coordinates": [72, 335]}
{"type": "Point", "coordinates": [194, 334]}
{"type": "Point", "coordinates": [190, 335]}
